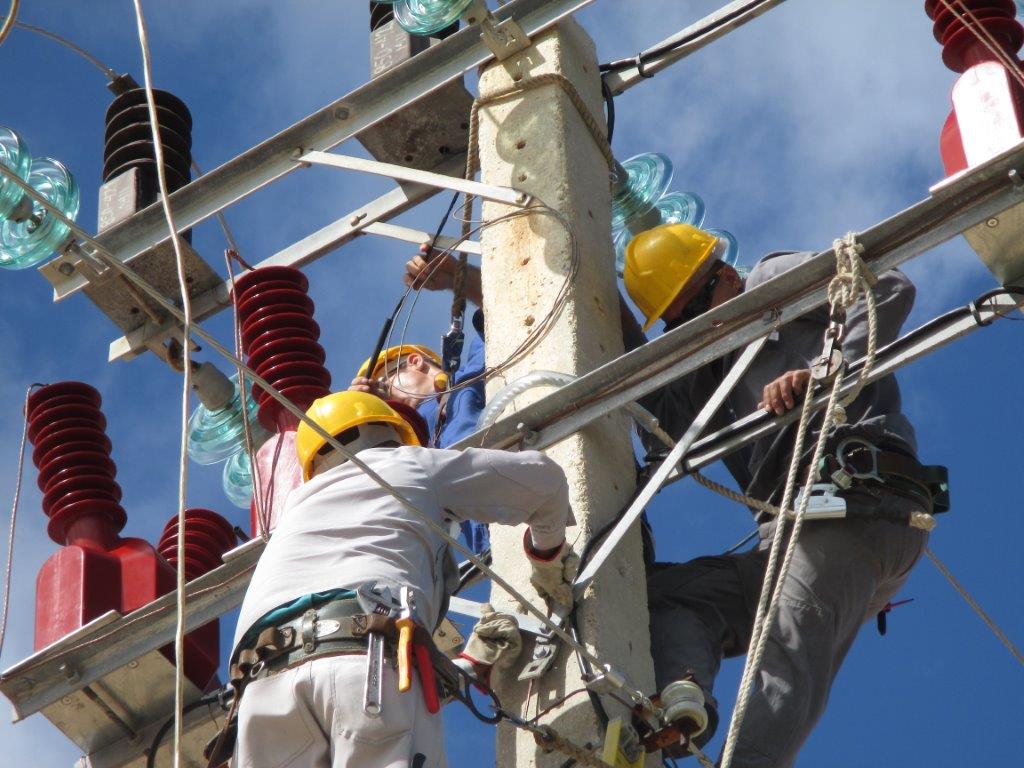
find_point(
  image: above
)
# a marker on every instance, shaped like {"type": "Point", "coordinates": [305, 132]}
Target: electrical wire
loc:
{"type": "Point", "coordinates": [94, 60]}
{"type": "Point", "coordinates": [12, 17]}
{"type": "Point", "coordinates": [653, 53]}
{"type": "Point", "coordinates": [206, 701]}
{"type": "Point", "coordinates": [186, 305]}
{"type": "Point", "coordinates": [8, 568]}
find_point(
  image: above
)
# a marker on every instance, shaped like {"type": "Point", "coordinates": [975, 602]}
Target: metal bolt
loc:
{"type": "Point", "coordinates": [1016, 180]}
{"type": "Point", "coordinates": [992, 223]}
{"type": "Point", "coordinates": [66, 268]}
{"type": "Point", "coordinates": [522, 197]}
{"type": "Point", "coordinates": [356, 219]}
{"type": "Point", "coordinates": [342, 113]}
{"type": "Point", "coordinates": [69, 672]}
{"type": "Point", "coordinates": [25, 685]}
{"type": "Point", "coordinates": [133, 664]}
{"type": "Point", "coordinates": [529, 436]}
{"type": "Point", "coordinates": [66, 700]}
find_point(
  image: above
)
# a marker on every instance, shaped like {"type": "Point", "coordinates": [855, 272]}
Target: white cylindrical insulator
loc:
{"type": "Point", "coordinates": [683, 700]}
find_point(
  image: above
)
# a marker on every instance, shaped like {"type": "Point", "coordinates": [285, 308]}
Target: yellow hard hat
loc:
{"type": "Point", "coordinates": [339, 411]}
{"type": "Point", "coordinates": [661, 262]}
{"type": "Point", "coordinates": [393, 353]}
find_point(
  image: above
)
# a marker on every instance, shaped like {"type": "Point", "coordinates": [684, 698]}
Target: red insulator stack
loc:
{"type": "Point", "coordinates": [987, 100]}
{"type": "Point", "coordinates": [962, 47]}
{"type": "Point", "coordinates": [96, 570]}
{"type": "Point", "coordinates": [279, 339]}
{"type": "Point", "coordinates": [207, 537]}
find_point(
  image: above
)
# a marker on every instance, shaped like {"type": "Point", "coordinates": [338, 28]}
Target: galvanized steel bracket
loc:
{"type": "Point", "coordinates": [504, 38]}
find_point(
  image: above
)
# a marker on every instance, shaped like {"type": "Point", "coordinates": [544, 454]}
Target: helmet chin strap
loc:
{"type": "Point", "coordinates": [370, 436]}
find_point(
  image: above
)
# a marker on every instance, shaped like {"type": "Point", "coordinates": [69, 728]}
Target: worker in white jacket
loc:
{"type": "Point", "coordinates": [346, 550]}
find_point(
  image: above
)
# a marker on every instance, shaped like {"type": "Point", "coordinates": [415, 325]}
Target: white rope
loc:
{"type": "Point", "coordinates": [9, 567]}
{"type": "Point", "coordinates": [989, 622]}
{"type": "Point", "coordinates": [186, 304]}
{"type": "Point", "coordinates": [850, 280]}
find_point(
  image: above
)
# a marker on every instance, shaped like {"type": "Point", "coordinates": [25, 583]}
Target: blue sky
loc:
{"type": "Point", "coordinates": [819, 118]}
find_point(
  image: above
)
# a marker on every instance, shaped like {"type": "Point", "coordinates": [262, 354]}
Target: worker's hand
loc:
{"type": "Point", "coordinates": [552, 573]}
{"type": "Point", "coordinates": [436, 274]}
{"type": "Point", "coordinates": [785, 392]}
{"type": "Point", "coordinates": [370, 386]}
{"type": "Point", "coordinates": [495, 641]}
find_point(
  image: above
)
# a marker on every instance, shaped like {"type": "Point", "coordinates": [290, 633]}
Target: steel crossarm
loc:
{"type": "Point", "coordinates": [953, 207]}
{"type": "Point", "coordinates": [912, 346]}
{"type": "Point", "coordinates": [341, 120]}
{"type": "Point", "coordinates": [498, 194]}
{"type": "Point", "coordinates": [664, 470]}
{"type": "Point", "coordinates": [298, 254]}
{"type": "Point", "coordinates": [717, 24]}
{"type": "Point", "coordinates": [474, 610]}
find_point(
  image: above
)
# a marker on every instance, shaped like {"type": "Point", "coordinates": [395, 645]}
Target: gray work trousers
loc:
{"type": "Point", "coordinates": [843, 572]}
{"type": "Point", "coordinates": [311, 716]}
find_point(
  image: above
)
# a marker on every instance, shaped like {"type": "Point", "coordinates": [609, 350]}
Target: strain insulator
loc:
{"type": "Point", "coordinates": [207, 537]}
{"type": "Point", "coordinates": [72, 453]}
{"type": "Point", "coordinates": [960, 36]}
{"type": "Point", "coordinates": [128, 141]}
{"type": "Point", "coordinates": [279, 339]}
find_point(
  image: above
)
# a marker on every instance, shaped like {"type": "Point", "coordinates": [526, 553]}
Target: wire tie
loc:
{"type": "Point", "coordinates": [641, 67]}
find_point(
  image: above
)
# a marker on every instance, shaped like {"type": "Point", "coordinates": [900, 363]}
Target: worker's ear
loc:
{"type": "Point", "coordinates": [414, 361]}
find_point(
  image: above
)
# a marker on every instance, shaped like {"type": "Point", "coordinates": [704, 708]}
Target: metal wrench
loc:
{"type": "Point", "coordinates": [380, 601]}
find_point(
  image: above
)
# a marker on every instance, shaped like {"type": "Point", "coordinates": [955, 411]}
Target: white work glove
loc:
{"type": "Point", "coordinates": [495, 640]}
{"type": "Point", "coordinates": [552, 577]}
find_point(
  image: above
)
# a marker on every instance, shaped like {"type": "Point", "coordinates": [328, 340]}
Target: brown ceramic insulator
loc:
{"type": "Point", "coordinates": [279, 339]}
{"type": "Point", "coordinates": [72, 452]}
{"type": "Point", "coordinates": [207, 537]}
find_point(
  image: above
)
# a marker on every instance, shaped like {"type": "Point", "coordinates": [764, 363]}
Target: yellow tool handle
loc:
{"type": "Point", "coordinates": [404, 654]}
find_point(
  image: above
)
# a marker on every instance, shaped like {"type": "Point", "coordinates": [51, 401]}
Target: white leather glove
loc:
{"type": "Point", "coordinates": [552, 577]}
{"type": "Point", "coordinates": [495, 640]}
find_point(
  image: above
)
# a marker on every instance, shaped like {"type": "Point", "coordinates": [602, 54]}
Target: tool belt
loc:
{"type": "Point", "coordinates": [855, 462]}
{"type": "Point", "coordinates": [334, 629]}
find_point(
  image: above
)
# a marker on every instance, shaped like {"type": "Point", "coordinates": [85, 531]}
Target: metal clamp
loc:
{"type": "Point", "coordinates": [505, 38]}
{"type": "Point", "coordinates": [828, 365]}
{"type": "Point", "coordinates": [848, 469]}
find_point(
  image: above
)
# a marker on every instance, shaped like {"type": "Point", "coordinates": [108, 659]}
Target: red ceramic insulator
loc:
{"type": "Point", "coordinates": [279, 339]}
{"type": "Point", "coordinates": [958, 33]}
{"type": "Point", "coordinates": [207, 537]}
{"type": "Point", "coordinates": [72, 453]}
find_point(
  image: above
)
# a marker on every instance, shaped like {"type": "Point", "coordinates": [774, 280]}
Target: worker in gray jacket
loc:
{"type": "Point", "coordinates": [321, 640]}
{"type": "Point", "coordinates": [845, 570]}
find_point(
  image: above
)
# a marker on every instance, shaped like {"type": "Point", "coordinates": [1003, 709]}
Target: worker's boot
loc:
{"type": "Point", "coordinates": [686, 707]}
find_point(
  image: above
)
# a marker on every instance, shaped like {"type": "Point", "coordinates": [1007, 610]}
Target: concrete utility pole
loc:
{"type": "Point", "coordinates": [538, 143]}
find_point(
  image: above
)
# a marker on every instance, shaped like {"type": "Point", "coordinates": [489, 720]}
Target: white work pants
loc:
{"type": "Point", "coordinates": [311, 716]}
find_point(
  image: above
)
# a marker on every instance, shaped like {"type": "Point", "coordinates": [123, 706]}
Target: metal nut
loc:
{"type": "Point", "coordinates": [992, 223]}
{"type": "Point", "coordinates": [342, 113]}
{"type": "Point", "coordinates": [66, 268]}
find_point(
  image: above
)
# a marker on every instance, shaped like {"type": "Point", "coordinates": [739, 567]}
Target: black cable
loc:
{"type": "Point", "coordinates": [205, 701]}
{"type": "Point", "coordinates": [385, 331]}
{"type": "Point", "coordinates": [652, 53]}
{"type": "Point", "coordinates": [609, 107]}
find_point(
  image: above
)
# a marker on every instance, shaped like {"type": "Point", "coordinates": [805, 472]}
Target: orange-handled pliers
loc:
{"type": "Point", "coordinates": [405, 626]}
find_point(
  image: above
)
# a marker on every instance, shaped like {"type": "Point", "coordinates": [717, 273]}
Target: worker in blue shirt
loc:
{"type": "Point", "coordinates": [414, 375]}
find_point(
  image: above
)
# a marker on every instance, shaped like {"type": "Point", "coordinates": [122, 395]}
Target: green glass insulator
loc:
{"type": "Point", "coordinates": [647, 178]}
{"type": "Point", "coordinates": [732, 251]}
{"type": "Point", "coordinates": [674, 208]}
{"type": "Point", "coordinates": [14, 155]}
{"type": "Point", "coordinates": [30, 240]}
{"type": "Point", "coordinates": [215, 435]}
{"type": "Point", "coordinates": [237, 479]}
{"type": "Point", "coordinates": [426, 17]}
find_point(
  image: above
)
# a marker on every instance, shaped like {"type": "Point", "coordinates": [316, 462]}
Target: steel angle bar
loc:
{"type": "Point", "coordinates": [689, 40]}
{"type": "Point", "coordinates": [664, 470]}
{"type": "Point", "coordinates": [985, 191]}
{"type": "Point", "coordinates": [418, 236]}
{"type": "Point", "coordinates": [913, 346]}
{"type": "Point", "coordinates": [43, 678]}
{"type": "Point", "coordinates": [474, 610]}
{"type": "Point", "coordinates": [505, 195]}
{"type": "Point", "coordinates": [298, 254]}
{"type": "Point", "coordinates": [324, 129]}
